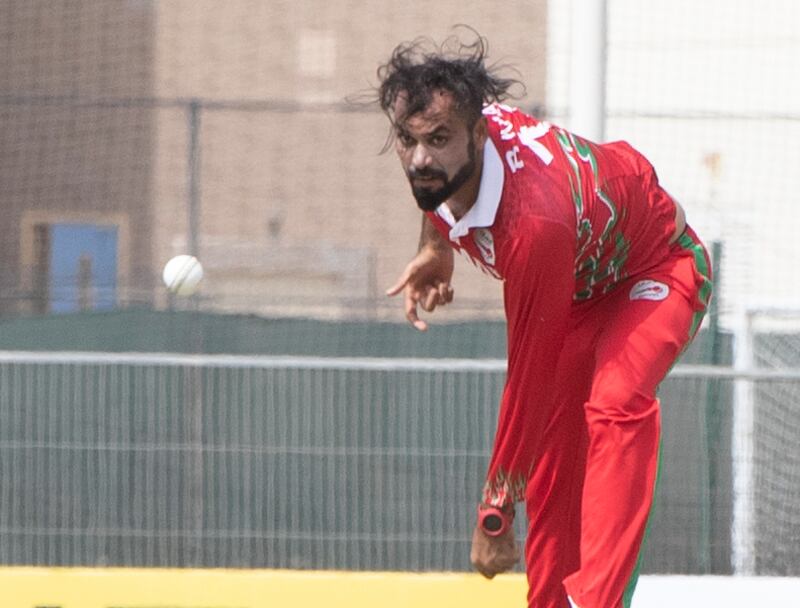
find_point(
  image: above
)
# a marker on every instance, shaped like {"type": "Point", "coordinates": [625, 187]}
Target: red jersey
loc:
{"type": "Point", "coordinates": [560, 220]}
{"type": "Point", "coordinates": [601, 193]}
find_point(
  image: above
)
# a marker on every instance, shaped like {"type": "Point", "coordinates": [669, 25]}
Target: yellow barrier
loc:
{"type": "Point", "coordinates": [156, 588]}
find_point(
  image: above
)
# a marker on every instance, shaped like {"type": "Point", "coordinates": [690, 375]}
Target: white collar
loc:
{"type": "Point", "coordinates": [483, 212]}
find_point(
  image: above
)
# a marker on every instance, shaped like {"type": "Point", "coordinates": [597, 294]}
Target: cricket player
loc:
{"type": "Point", "coordinates": [604, 285]}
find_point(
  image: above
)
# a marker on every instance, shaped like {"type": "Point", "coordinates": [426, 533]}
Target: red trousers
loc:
{"type": "Point", "coordinates": [589, 496]}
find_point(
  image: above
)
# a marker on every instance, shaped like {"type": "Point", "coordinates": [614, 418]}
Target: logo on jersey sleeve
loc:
{"type": "Point", "coordinates": [485, 244]}
{"type": "Point", "coordinates": [649, 290]}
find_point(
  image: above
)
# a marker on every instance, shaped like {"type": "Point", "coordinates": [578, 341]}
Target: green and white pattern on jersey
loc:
{"type": "Point", "coordinates": [589, 271]}
{"type": "Point", "coordinates": [697, 250]}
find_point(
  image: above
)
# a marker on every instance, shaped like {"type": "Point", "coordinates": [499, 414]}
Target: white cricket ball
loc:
{"type": "Point", "coordinates": [182, 275]}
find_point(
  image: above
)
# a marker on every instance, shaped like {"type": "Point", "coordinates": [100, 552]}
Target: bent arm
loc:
{"type": "Point", "coordinates": [431, 238]}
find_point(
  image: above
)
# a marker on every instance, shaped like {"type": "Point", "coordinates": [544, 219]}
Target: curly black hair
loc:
{"type": "Point", "coordinates": [421, 67]}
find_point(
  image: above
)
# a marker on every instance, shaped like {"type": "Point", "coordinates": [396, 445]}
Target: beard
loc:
{"type": "Point", "coordinates": [428, 199]}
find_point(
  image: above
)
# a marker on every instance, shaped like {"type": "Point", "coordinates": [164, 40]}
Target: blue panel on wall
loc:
{"type": "Point", "coordinates": [83, 267]}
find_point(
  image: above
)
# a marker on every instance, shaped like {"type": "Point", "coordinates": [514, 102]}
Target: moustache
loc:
{"type": "Point", "coordinates": [426, 173]}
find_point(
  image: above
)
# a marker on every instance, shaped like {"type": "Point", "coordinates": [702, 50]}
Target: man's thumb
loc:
{"type": "Point", "coordinates": [400, 284]}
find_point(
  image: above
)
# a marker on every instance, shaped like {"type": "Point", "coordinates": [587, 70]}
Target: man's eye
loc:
{"type": "Point", "coordinates": [405, 139]}
{"type": "Point", "coordinates": [438, 140]}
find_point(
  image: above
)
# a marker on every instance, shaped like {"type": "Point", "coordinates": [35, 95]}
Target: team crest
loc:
{"type": "Point", "coordinates": [484, 241]}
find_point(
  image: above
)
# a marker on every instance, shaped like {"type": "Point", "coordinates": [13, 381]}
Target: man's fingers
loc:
{"type": "Point", "coordinates": [482, 567]}
{"type": "Point", "coordinates": [439, 295]}
{"type": "Point", "coordinates": [430, 300]}
{"type": "Point", "coordinates": [419, 325]}
{"type": "Point", "coordinates": [411, 312]}
{"type": "Point", "coordinates": [411, 299]}
{"type": "Point", "coordinates": [485, 572]}
{"type": "Point", "coordinates": [492, 556]}
{"type": "Point", "coordinates": [496, 567]}
{"type": "Point", "coordinates": [510, 559]}
{"type": "Point", "coordinates": [445, 293]}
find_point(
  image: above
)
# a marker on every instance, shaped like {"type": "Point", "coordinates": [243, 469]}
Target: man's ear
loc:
{"type": "Point", "coordinates": [480, 132]}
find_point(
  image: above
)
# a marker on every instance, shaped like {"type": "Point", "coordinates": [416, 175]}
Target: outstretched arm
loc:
{"type": "Point", "coordinates": [425, 281]}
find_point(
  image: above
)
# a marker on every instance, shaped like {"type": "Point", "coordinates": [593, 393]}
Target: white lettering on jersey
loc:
{"type": "Point", "coordinates": [513, 160]}
{"type": "Point", "coordinates": [527, 135]}
{"type": "Point", "coordinates": [507, 126]}
{"type": "Point", "coordinates": [530, 135]}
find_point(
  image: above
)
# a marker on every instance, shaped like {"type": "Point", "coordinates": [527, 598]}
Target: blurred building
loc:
{"type": "Point", "coordinates": [135, 130]}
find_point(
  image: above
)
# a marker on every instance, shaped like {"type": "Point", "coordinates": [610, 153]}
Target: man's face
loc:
{"type": "Point", "coordinates": [437, 149]}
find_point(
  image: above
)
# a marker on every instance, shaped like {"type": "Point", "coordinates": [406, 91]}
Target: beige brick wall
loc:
{"type": "Point", "coordinates": [310, 185]}
{"type": "Point", "coordinates": [297, 208]}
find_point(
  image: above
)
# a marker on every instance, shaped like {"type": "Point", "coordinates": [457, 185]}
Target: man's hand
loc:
{"type": "Point", "coordinates": [425, 282]}
{"type": "Point", "coordinates": [492, 555]}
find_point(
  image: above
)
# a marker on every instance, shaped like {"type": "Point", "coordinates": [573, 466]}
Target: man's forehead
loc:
{"type": "Point", "coordinates": [439, 110]}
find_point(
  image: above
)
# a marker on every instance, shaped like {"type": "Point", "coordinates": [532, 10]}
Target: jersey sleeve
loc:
{"type": "Point", "coordinates": [539, 284]}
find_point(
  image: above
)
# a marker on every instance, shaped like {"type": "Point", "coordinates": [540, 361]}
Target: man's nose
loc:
{"type": "Point", "coordinates": [421, 157]}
